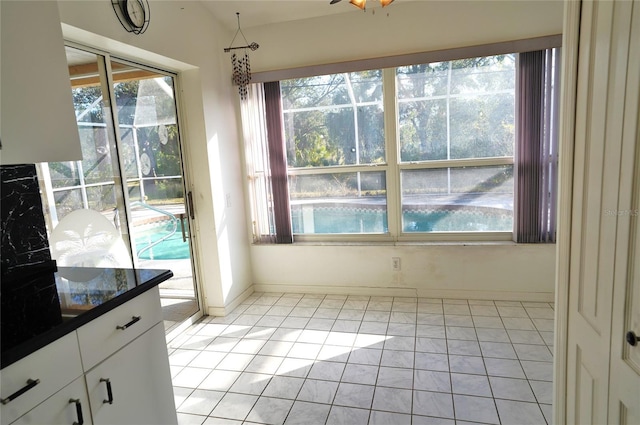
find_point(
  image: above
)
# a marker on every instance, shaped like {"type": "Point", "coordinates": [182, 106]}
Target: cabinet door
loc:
{"type": "Point", "coordinates": [30, 95]}
{"type": "Point", "coordinates": [68, 406]}
{"type": "Point", "coordinates": [140, 384]}
{"type": "Point", "coordinates": [52, 367]}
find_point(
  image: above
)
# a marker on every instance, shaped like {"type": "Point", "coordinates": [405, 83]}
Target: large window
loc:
{"type": "Point", "coordinates": [424, 151]}
{"type": "Point", "coordinates": [456, 131]}
{"type": "Point", "coordinates": [334, 133]}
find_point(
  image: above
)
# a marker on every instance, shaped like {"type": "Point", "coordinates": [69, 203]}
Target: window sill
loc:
{"type": "Point", "coordinates": [436, 239]}
{"type": "Point", "coordinates": [403, 243]}
{"type": "Point", "coordinates": [408, 238]}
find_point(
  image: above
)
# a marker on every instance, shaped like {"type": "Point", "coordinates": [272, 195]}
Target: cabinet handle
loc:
{"type": "Point", "coordinates": [78, 411]}
{"type": "Point", "coordinates": [134, 319]}
{"type": "Point", "coordinates": [109, 392]}
{"type": "Point", "coordinates": [30, 384]}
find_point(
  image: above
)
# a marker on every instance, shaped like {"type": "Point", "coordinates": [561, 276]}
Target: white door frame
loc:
{"type": "Point", "coordinates": [569, 81]}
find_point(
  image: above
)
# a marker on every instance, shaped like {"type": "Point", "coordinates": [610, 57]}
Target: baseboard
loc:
{"type": "Point", "coordinates": [337, 290]}
{"type": "Point", "coordinates": [383, 292]}
{"type": "Point", "coordinates": [223, 311]}
{"type": "Point", "coordinates": [408, 292]}
{"type": "Point", "coordinates": [487, 295]}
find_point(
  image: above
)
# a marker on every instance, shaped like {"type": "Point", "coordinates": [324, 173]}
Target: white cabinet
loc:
{"type": "Point", "coordinates": [103, 336]}
{"type": "Point", "coordinates": [38, 119]}
{"type": "Point", "coordinates": [125, 379]}
{"type": "Point", "coordinates": [49, 369]}
{"type": "Point", "coordinates": [68, 406]}
{"type": "Point", "coordinates": [141, 391]}
{"type": "Point", "coordinates": [124, 354]}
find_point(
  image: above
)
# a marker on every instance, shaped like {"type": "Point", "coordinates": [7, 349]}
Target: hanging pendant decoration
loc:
{"type": "Point", "coordinates": [240, 63]}
{"type": "Point", "coordinates": [241, 73]}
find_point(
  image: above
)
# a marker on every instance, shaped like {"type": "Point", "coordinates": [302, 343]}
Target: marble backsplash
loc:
{"type": "Point", "coordinates": [24, 234]}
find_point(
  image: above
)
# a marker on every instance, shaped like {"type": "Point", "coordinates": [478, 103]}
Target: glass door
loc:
{"type": "Point", "coordinates": [130, 183]}
{"type": "Point", "coordinates": [153, 168]}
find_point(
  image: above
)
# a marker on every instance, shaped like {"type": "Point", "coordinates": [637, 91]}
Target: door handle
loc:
{"type": "Point", "coordinates": [190, 205]}
{"type": "Point", "coordinates": [632, 338]}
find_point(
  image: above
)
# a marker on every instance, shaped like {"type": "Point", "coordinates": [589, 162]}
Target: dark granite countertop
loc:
{"type": "Point", "coordinates": [43, 304]}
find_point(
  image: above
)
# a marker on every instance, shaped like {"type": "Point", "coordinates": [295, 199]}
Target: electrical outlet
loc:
{"type": "Point", "coordinates": [395, 263]}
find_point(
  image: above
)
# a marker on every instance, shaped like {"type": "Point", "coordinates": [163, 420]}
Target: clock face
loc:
{"type": "Point", "coordinates": [163, 134]}
{"type": "Point", "coordinates": [145, 164]}
{"type": "Point", "coordinates": [135, 13]}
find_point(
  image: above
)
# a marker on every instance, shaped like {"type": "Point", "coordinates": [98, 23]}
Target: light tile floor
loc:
{"type": "Point", "coordinates": [332, 359]}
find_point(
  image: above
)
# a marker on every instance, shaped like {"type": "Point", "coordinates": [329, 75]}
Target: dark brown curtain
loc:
{"type": "Point", "coordinates": [536, 159]}
{"type": "Point", "coordinates": [278, 163]}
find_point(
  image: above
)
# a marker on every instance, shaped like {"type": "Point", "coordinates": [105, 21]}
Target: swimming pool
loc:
{"type": "Point", "coordinates": [314, 219]}
{"type": "Point", "coordinates": [171, 248]}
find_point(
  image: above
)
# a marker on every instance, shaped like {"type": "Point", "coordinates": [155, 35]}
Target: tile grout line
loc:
{"type": "Point", "coordinates": [352, 346]}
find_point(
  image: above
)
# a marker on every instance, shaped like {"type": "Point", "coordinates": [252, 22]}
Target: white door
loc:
{"type": "Point", "coordinates": [624, 387]}
{"type": "Point", "coordinates": [602, 375]}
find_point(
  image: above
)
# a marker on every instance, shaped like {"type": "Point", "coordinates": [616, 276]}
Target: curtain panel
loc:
{"type": "Point", "coordinates": [536, 158]}
{"type": "Point", "coordinates": [278, 163]}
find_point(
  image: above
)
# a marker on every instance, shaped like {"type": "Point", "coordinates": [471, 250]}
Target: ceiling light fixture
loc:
{"type": "Point", "coordinates": [361, 4]}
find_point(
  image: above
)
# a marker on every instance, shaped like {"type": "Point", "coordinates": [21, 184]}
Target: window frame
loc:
{"type": "Point", "coordinates": [393, 166]}
{"type": "Point", "coordinates": [456, 236]}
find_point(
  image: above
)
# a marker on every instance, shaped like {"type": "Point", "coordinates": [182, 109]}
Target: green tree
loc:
{"type": "Point", "coordinates": [480, 117]}
{"type": "Point", "coordinates": [320, 124]}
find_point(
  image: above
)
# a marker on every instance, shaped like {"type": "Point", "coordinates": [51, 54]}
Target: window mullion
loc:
{"type": "Point", "coordinates": [471, 162]}
{"type": "Point", "coordinates": [356, 131]}
{"type": "Point", "coordinates": [394, 198]}
{"type": "Point", "coordinates": [449, 125]}
{"type": "Point", "coordinates": [336, 169]}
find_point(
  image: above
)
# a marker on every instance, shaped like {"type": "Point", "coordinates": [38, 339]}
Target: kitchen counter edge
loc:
{"type": "Point", "coordinates": [23, 350]}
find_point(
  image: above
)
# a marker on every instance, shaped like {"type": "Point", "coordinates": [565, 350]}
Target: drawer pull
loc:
{"type": "Point", "coordinates": [78, 411]}
{"type": "Point", "coordinates": [30, 384]}
{"type": "Point", "coordinates": [134, 319]}
{"type": "Point", "coordinates": [109, 392]}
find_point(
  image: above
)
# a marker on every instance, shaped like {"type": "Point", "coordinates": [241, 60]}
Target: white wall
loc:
{"type": "Point", "coordinates": [479, 271]}
{"type": "Point", "coordinates": [499, 271]}
{"type": "Point", "coordinates": [411, 27]}
{"type": "Point", "coordinates": [184, 37]}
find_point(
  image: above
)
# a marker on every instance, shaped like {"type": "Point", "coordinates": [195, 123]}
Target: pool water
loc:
{"type": "Point", "coordinates": [171, 248]}
{"type": "Point", "coordinates": [322, 220]}
{"type": "Point", "coordinates": [456, 221]}
{"type": "Point", "coordinates": [319, 220]}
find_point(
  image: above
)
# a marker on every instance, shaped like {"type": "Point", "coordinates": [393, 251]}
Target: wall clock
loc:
{"type": "Point", "coordinates": [145, 164]}
{"type": "Point", "coordinates": [163, 134]}
{"type": "Point", "coordinates": [134, 15]}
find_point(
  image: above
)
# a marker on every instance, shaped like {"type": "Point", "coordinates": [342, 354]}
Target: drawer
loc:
{"type": "Point", "coordinates": [55, 366]}
{"type": "Point", "coordinates": [106, 334]}
{"type": "Point", "coordinates": [66, 406]}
